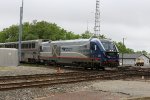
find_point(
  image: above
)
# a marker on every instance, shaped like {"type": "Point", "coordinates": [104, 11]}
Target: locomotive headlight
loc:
{"type": "Point", "coordinates": [108, 56]}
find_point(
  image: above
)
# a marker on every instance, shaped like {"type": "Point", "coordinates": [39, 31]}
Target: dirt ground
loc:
{"type": "Point", "coordinates": [84, 95]}
{"type": "Point", "coordinates": [106, 90]}
{"type": "Point", "coordinates": [29, 70]}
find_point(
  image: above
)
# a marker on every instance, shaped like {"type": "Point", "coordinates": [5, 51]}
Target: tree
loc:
{"type": "Point", "coordinates": [123, 49]}
{"type": "Point", "coordinates": [142, 52]}
{"type": "Point", "coordinates": [86, 35]}
{"type": "Point", "coordinates": [9, 34]}
{"type": "Point", "coordinates": [102, 36]}
{"type": "Point", "coordinates": [36, 30]}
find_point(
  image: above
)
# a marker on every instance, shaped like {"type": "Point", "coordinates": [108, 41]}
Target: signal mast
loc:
{"type": "Point", "coordinates": [97, 19]}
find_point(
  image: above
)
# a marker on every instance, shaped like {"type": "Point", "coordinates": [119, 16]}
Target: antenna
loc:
{"type": "Point", "coordinates": [87, 25]}
{"type": "Point", "coordinates": [21, 14]}
{"type": "Point", "coordinates": [20, 31]}
{"type": "Point", "coordinates": [97, 19]}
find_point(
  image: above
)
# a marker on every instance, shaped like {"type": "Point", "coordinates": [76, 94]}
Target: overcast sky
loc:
{"type": "Point", "coordinates": [128, 19]}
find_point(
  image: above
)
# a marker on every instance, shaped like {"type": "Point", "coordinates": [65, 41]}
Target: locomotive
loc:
{"type": "Point", "coordinates": [87, 53]}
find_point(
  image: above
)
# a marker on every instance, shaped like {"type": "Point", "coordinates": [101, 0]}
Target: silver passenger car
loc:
{"type": "Point", "coordinates": [30, 49]}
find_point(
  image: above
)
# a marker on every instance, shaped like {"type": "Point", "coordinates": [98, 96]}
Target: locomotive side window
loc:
{"type": "Point", "coordinates": [29, 45]}
{"type": "Point", "coordinates": [6, 46]}
{"type": "Point", "coordinates": [22, 46]}
{"type": "Point", "coordinates": [14, 45]}
{"type": "Point", "coordinates": [1, 46]}
{"type": "Point", "coordinates": [17, 46]}
{"type": "Point", "coordinates": [26, 45]}
{"type": "Point", "coordinates": [33, 45]}
{"type": "Point", "coordinates": [93, 47]}
{"type": "Point", "coordinates": [41, 49]}
{"type": "Point", "coordinates": [9, 46]}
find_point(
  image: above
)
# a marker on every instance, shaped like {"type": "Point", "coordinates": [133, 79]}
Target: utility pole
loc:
{"type": "Point", "coordinates": [97, 19]}
{"type": "Point", "coordinates": [20, 31]}
{"type": "Point", "coordinates": [123, 52]}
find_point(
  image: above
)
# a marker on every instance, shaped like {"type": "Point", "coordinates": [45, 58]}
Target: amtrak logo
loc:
{"type": "Point", "coordinates": [66, 49]}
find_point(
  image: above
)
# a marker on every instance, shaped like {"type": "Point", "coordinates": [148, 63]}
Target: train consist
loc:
{"type": "Point", "coordinates": [87, 53]}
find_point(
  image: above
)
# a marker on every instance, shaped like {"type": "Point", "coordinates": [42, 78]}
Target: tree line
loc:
{"type": "Point", "coordinates": [46, 30]}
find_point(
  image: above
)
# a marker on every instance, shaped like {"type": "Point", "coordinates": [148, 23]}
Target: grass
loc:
{"type": "Point", "coordinates": [2, 68]}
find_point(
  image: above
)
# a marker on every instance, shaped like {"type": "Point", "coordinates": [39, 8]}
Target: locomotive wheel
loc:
{"type": "Point", "coordinates": [103, 68]}
{"type": "Point", "coordinates": [85, 68]}
{"type": "Point", "coordinates": [97, 68]}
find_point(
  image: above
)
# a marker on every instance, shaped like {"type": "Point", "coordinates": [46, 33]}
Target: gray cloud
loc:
{"type": "Point", "coordinates": [119, 18]}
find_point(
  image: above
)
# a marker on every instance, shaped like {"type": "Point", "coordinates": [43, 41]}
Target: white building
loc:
{"type": "Point", "coordinates": [130, 59]}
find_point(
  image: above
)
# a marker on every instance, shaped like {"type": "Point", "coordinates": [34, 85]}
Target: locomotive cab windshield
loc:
{"type": "Point", "coordinates": [109, 46]}
{"type": "Point", "coordinates": [111, 53]}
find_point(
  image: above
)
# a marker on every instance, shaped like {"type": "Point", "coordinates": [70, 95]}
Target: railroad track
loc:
{"type": "Point", "coordinates": [39, 80]}
{"type": "Point", "coordinates": [24, 81]}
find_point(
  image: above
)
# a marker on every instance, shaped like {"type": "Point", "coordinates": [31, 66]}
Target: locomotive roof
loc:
{"type": "Point", "coordinates": [76, 40]}
{"type": "Point", "coordinates": [105, 40]}
{"type": "Point", "coordinates": [81, 40]}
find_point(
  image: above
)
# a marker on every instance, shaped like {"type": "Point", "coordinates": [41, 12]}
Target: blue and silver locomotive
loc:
{"type": "Point", "coordinates": [87, 53]}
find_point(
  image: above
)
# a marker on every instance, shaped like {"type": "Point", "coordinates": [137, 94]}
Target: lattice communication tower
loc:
{"type": "Point", "coordinates": [97, 19]}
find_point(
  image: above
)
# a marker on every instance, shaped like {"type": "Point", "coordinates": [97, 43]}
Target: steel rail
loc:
{"type": "Point", "coordinates": [9, 86]}
{"type": "Point", "coordinates": [39, 80]}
